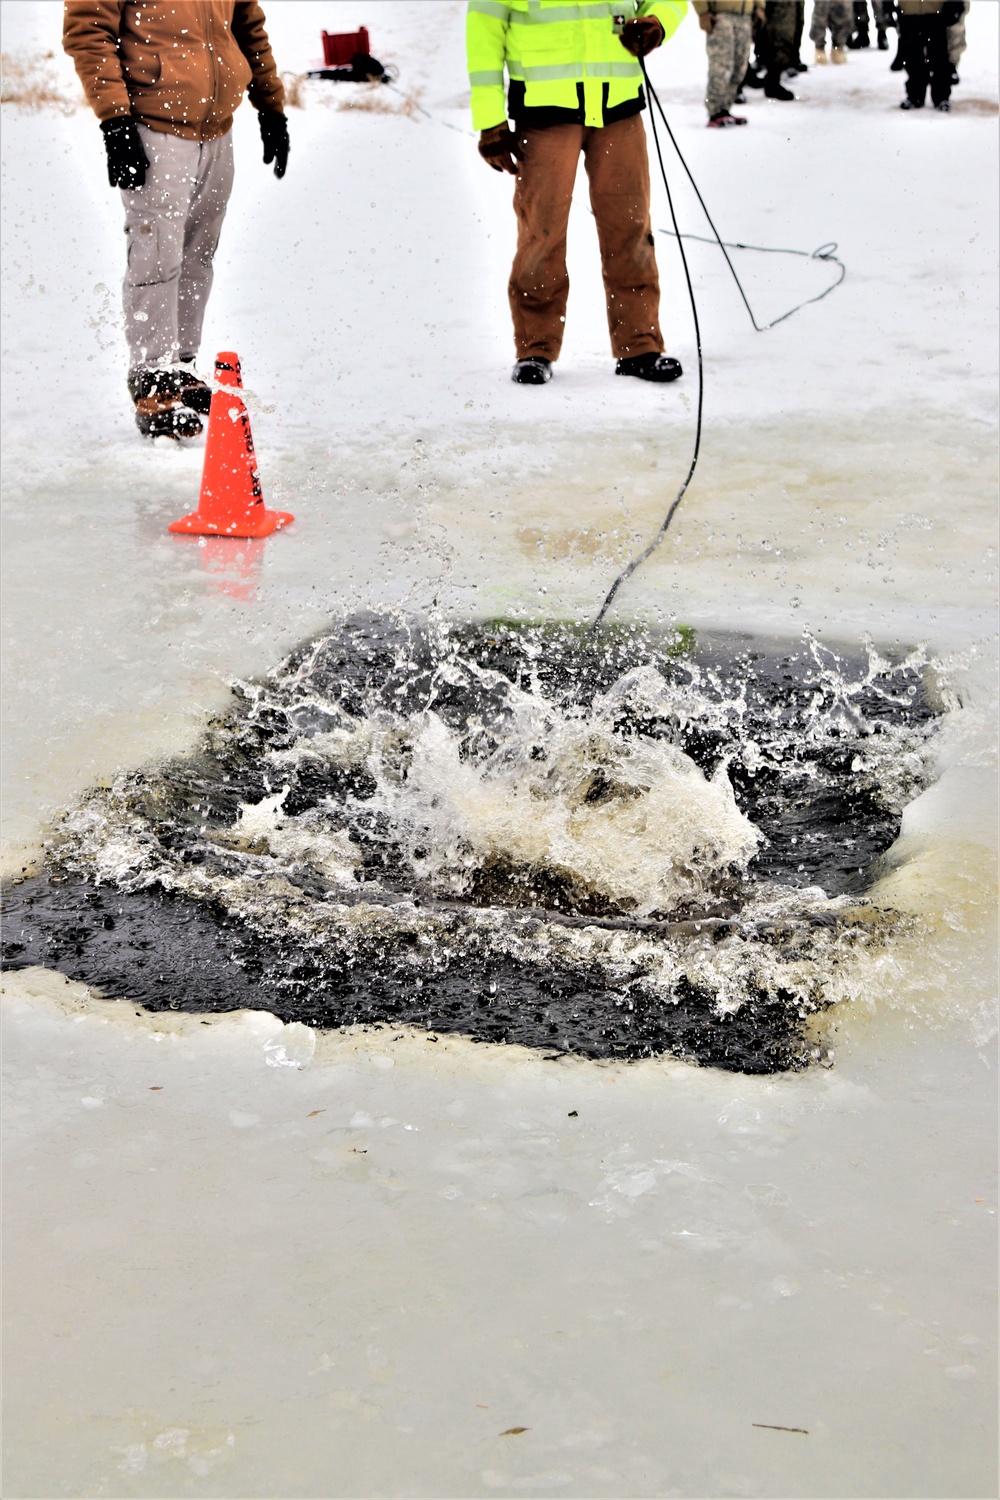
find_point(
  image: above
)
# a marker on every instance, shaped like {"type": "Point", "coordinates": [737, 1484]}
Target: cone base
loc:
{"type": "Point", "coordinates": [260, 523]}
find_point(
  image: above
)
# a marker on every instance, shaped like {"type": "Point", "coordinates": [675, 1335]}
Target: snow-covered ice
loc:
{"type": "Point", "coordinates": [241, 1260]}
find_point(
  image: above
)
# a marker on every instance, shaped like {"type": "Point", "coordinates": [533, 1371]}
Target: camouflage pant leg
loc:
{"type": "Point", "coordinates": [780, 46]}
{"type": "Point", "coordinates": [861, 17]}
{"type": "Point", "coordinates": [956, 38]}
{"type": "Point", "coordinates": [728, 46]}
{"type": "Point", "coordinates": [835, 14]}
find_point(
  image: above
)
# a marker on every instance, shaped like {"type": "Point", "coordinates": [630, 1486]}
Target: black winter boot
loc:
{"type": "Point", "coordinates": [534, 371]}
{"type": "Point", "coordinates": [658, 367]}
{"type": "Point", "coordinates": [160, 406]}
{"type": "Point", "coordinates": [196, 393]}
{"type": "Point", "coordinates": [775, 89]}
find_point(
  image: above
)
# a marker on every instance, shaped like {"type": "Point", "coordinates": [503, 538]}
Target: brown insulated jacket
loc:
{"type": "Point", "coordinates": [181, 68]}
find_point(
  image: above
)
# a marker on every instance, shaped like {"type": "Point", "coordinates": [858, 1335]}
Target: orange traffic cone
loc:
{"type": "Point", "coordinates": [231, 501]}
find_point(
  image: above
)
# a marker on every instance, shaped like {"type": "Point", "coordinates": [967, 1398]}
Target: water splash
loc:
{"type": "Point", "coordinates": [615, 846]}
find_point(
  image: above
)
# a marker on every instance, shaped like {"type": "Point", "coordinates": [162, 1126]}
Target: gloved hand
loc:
{"type": "Point", "coordinates": [952, 12]}
{"type": "Point", "coordinates": [274, 134]}
{"type": "Point", "coordinates": [640, 35]}
{"type": "Point", "coordinates": [127, 161]}
{"type": "Point", "coordinates": [707, 21]}
{"type": "Point", "coordinates": [499, 147]}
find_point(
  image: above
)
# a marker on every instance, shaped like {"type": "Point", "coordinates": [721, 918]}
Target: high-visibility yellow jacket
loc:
{"type": "Point", "coordinates": [556, 50]}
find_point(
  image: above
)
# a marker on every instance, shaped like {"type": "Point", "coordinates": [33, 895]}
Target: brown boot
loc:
{"type": "Point", "coordinates": [161, 408]}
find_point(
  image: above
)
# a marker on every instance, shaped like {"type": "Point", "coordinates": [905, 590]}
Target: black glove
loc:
{"type": "Point", "coordinates": [499, 147]}
{"type": "Point", "coordinates": [274, 134]}
{"type": "Point", "coordinates": [640, 35]}
{"type": "Point", "coordinates": [127, 161]}
{"type": "Point", "coordinates": [952, 11]}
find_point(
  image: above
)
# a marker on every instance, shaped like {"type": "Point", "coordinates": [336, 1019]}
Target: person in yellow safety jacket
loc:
{"type": "Point", "coordinates": [574, 85]}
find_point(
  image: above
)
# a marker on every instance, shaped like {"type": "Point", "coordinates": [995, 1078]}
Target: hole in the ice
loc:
{"type": "Point", "coordinates": [615, 845]}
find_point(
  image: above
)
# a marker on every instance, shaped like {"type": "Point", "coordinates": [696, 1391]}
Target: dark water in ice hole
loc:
{"type": "Point", "coordinates": [616, 846]}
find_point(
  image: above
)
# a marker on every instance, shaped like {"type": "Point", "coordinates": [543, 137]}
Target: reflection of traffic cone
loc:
{"type": "Point", "coordinates": [231, 565]}
{"type": "Point", "coordinates": [232, 501]}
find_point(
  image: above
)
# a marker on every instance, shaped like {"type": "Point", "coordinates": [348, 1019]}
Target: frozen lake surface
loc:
{"type": "Point", "coordinates": [245, 1258]}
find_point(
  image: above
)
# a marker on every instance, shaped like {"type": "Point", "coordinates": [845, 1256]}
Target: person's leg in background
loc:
{"type": "Point", "coordinates": [155, 225]}
{"type": "Point", "coordinates": [779, 23]}
{"type": "Point", "coordinates": [725, 49]}
{"type": "Point", "coordinates": [860, 37]}
{"type": "Point", "coordinates": [882, 22]}
{"type": "Point", "coordinates": [800, 26]}
{"type": "Point", "coordinates": [539, 281]}
{"type": "Point", "coordinates": [957, 44]}
{"type": "Point", "coordinates": [206, 212]}
{"type": "Point", "coordinates": [841, 22]}
{"type": "Point", "coordinates": [938, 63]}
{"type": "Point", "coordinates": [913, 42]}
{"type": "Point", "coordinates": [818, 28]}
{"type": "Point", "coordinates": [617, 165]}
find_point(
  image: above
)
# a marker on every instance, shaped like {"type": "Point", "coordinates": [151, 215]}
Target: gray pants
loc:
{"type": "Point", "coordinates": [728, 45]}
{"type": "Point", "coordinates": [956, 38]}
{"type": "Point", "coordinates": [838, 15]}
{"type": "Point", "coordinates": [172, 225]}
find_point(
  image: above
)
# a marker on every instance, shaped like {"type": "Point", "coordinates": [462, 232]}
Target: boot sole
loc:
{"type": "Point", "coordinates": [653, 379]}
{"type": "Point", "coordinates": [180, 431]}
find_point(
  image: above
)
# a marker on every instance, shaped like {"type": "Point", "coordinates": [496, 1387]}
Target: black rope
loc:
{"type": "Point", "coordinates": [637, 562]}
{"type": "Point", "coordinates": [824, 252]}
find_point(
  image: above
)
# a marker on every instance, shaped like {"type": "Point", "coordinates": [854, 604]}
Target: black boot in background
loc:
{"type": "Point", "coordinates": [861, 37]}
{"type": "Point", "coordinates": [775, 89]}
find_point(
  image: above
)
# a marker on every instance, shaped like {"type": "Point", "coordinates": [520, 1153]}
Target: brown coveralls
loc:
{"type": "Point", "coordinates": [617, 167]}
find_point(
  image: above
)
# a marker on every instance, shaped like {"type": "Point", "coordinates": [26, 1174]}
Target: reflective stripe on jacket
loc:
{"type": "Point", "coordinates": [551, 47]}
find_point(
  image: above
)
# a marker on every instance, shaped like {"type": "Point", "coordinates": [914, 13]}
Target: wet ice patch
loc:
{"type": "Point", "coordinates": [617, 844]}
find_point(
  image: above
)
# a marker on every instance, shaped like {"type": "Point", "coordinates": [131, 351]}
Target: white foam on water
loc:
{"type": "Point", "coordinates": [658, 834]}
